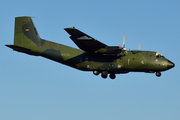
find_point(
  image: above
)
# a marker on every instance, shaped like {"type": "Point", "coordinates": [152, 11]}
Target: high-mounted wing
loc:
{"type": "Point", "coordinates": [89, 44]}
{"type": "Point", "coordinates": [83, 41]}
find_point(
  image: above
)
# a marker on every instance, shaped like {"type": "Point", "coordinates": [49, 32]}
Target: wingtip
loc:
{"type": "Point", "coordinates": [70, 28]}
{"type": "Point", "coordinates": [8, 45]}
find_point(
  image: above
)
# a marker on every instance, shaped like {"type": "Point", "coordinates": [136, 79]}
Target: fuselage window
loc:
{"type": "Point", "coordinates": [159, 55]}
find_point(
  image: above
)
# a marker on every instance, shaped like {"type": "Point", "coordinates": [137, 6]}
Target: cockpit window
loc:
{"type": "Point", "coordinates": [159, 55]}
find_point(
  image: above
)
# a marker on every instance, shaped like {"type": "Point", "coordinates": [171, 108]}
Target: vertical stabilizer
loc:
{"type": "Point", "coordinates": [26, 34]}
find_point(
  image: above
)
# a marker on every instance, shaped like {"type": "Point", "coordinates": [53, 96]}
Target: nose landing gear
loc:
{"type": "Point", "coordinates": [158, 74]}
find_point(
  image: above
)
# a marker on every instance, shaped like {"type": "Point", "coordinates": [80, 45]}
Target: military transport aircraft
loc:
{"type": "Point", "coordinates": [92, 55]}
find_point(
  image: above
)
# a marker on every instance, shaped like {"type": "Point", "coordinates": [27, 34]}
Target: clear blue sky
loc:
{"type": "Point", "coordinates": [35, 88]}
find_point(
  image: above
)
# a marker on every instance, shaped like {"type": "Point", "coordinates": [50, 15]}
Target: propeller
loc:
{"type": "Point", "coordinates": [123, 46]}
{"type": "Point", "coordinates": [124, 49]}
{"type": "Point", "coordinates": [123, 41]}
{"type": "Point", "coordinates": [139, 46]}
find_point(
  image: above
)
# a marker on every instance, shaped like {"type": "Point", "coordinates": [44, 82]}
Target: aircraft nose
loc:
{"type": "Point", "coordinates": [170, 64]}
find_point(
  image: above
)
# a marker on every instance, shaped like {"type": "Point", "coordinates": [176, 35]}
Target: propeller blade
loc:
{"type": "Point", "coordinates": [139, 46]}
{"type": "Point", "coordinates": [123, 41]}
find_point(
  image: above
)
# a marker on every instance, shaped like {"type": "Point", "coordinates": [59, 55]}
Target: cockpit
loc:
{"type": "Point", "coordinates": [159, 55]}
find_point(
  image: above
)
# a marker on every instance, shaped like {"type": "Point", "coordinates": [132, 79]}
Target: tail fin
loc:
{"type": "Point", "coordinates": [26, 36]}
{"type": "Point", "coordinates": [25, 33]}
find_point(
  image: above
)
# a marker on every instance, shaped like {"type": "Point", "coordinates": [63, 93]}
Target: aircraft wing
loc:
{"type": "Point", "coordinates": [84, 41]}
{"type": "Point", "coordinates": [89, 44]}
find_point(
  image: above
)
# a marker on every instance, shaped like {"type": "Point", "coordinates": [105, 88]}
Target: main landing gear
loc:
{"type": "Point", "coordinates": [112, 76]}
{"type": "Point", "coordinates": [104, 74]}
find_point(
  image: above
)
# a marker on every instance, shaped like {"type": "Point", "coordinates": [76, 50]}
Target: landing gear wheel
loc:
{"type": "Point", "coordinates": [96, 72]}
{"type": "Point", "coordinates": [104, 74]}
{"type": "Point", "coordinates": [112, 76]}
{"type": "Point", "coordinates": [158, 74]}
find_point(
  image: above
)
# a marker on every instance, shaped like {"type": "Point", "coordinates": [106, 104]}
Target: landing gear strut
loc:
{"type": "Point", "coordinates": [158, 74]}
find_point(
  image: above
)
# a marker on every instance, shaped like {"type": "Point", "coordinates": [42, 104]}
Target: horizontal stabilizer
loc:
{"type": "Point", "coordinates": [21, 49]}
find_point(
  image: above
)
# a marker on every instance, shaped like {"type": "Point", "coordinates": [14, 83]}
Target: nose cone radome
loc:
{"type": "Point", "coordinates": [170, 64]}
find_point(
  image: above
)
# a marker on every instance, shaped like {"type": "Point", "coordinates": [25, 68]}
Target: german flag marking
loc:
{"type": "Point", "coordinates": [27, 29]}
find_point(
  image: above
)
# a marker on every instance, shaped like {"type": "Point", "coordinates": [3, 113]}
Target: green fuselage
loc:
{"type": "Point", "coordinates": [130, 61]}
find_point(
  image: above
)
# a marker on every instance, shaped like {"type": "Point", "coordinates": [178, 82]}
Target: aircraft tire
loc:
{"type": "Point", "coordinates": [112, 76]}
{"type": "Point", "coordinates": [158, 74]}
{"type": "Point", "coordinates": [104, 74]}
{"type": "Point", "coordinates": [96, 72]}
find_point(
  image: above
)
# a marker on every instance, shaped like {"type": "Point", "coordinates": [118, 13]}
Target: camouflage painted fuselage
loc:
{"type": "Point", "coordinates": [27, 40]}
